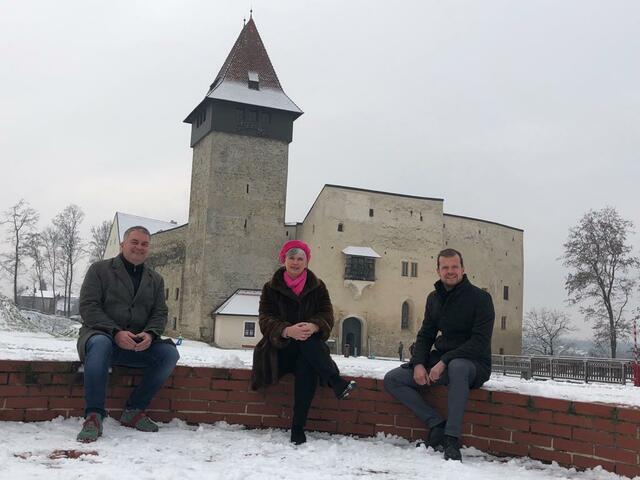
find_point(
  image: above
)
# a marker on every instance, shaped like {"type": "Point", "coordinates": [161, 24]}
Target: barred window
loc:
{"type": "Point", "coordinates": [360, 268]}
{"type": "Point", "coordinates": [249, 329]}
{"type": "Point", "coordinates": [404, 323]}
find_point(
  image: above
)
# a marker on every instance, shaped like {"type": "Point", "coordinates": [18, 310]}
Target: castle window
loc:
{"type": "Point", "coordinates": [503, 323]}
{"type": "Point", "coordinates": [360, 268]}
{"type": "Point", "coordinates": [414, 269]}
{"type": "Point", "coordinates": [166, 294]}
{"type": "Point", "coordinates": [340, 227]}
{"type": "Point", "coordinates": [501, 351]}
{"type": "Point", "coordinates": [404, 322]}
{"type": "Point", "coordinates": [249, 329]}
{"type": "Point", "coordinates": [254, 81]}
{"type": "Point", "coordinates": [247, 188]}
{"type": "Point", "coordinates": [175, 323]}
{"type": "Point", "coordinates": [371, 212]}
{"type": "Point", "coordinates": [405, 269]}
{"type": "Point", "coordinates": [505, 292]}
{"type": "Point", "coordinates": [177, 293]}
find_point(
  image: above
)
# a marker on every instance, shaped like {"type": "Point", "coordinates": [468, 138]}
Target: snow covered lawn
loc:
{"type": "Point", "coordinates": [221, 451]}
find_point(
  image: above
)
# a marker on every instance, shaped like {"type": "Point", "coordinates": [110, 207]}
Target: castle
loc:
{"type": "Point", "coordinates": [375, 250]}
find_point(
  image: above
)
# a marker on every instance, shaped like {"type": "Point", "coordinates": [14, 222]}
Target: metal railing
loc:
{"type": "Point", "coordinates": [601, 370]}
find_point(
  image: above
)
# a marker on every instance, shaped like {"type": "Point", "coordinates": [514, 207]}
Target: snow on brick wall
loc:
{"type": "Point", "coordinates": [582, 435]}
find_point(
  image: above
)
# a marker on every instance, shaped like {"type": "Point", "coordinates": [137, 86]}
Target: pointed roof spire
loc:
{"type": "Point", "coordinates": [247, 75]}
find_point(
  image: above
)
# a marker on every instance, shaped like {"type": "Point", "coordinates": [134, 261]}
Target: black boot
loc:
{"type": "Point", "coordinates": [342, 388]}
{"type": "Point", "coordinates": [452, 448]}
{"type": "Point", "coordinates": [435, 439]}
{"type": "Point", "coordinates": [297, 435]}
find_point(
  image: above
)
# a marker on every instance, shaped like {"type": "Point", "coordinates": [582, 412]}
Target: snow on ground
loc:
{"type": "Point", "coordinates": [232, 452]}
{"type": "Point", "coordinates": [41, 346]}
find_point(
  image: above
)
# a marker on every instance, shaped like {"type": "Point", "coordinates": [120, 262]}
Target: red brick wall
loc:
{"type": "Point", "coordinates": [577, 434]}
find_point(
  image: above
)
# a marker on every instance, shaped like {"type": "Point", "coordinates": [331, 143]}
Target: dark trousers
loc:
{"type": "Point", "coordinates": [101, 352]}
{"type": "Point", "coordinates": [458, 377]}
{"type": "Point", "coordinates": [308, 361]}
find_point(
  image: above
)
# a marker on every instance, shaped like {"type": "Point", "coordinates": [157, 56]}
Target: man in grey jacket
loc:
{"type": "Point", "coordinates": [124, 313]}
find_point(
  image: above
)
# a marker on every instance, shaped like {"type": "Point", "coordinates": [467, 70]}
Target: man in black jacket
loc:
{"type": "Point", "coordinates": [453, 348]}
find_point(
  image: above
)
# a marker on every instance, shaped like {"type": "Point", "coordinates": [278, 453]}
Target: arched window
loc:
{"type": "Point", "coordinates": [404, 324]}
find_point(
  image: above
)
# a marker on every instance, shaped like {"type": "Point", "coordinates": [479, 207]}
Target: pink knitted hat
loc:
{"type": "Point", "coordinates": [294, 244]}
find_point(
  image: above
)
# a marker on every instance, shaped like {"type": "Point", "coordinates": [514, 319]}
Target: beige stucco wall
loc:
{"type": "Point", "coordinates": [402, 229]}
{"type": "Point", "coordinates": [414, 230]}
{"type": "Point", "coordinates": [229, 331]}
{"type": "Point", "coordinates": [113, 243]}
{"type": "Point", "coordinates": [493, 258]}
{"type": "Point", "coordinates": [167, 258]}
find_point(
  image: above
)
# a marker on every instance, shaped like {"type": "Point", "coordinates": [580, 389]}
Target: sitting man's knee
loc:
{"type": "Point", "coordinates": [101, 343]}
{"type": "Point", "coordinates": [460, 367]}
{"type": "Point", "coordinates": [390, 380]}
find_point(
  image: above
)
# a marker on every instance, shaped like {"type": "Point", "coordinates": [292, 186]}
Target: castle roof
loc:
{"type": "Point", "coordinates": [247, 76]}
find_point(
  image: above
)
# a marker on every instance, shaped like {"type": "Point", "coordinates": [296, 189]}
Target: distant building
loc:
{"type": "Point", "coordinates": [376, 251]}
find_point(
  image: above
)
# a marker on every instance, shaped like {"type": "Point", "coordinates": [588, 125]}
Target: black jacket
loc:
{"type": "Point", "coordinates": [464, 315]}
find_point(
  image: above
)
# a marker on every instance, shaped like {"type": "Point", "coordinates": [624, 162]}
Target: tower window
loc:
{"type": "Point", "coordinates": [503, 323]}
{"type": "Point", "coordinates": [340, 227]}
{"type": "Point", "coordinates": [405, 269]}
{"type": "Point", "coordinates": [247, 188]}
{"type": "Point", "coordinates": [505, 292]}
{"type": "Point", "coordinates": [404, 322]}
{"type": "Point", "coordinates": [371, 212]}
{"type": "Point", "coordinates": [414, 269]}
{"type": "Point", "coordinates": [254, 81]}
{"type": "Point", "coordinates": [177, 293]}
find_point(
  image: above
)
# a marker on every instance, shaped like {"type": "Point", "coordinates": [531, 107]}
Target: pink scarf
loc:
{"type": "Point", "coordinates": [295, 284]}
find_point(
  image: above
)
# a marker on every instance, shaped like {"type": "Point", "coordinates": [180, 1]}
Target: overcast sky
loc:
{"type": "Point", "coordinates": [523, 113]}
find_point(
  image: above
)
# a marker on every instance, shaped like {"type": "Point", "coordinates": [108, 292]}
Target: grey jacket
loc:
{"type": "Point", "coordinates": [108, 304]}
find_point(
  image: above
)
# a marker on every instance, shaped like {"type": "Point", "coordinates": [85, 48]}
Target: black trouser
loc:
{"type": "Point", "coordinates": [308, 361]}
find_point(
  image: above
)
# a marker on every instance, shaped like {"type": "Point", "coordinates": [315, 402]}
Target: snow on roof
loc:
{"type": "Point", "coordinates": [126, 221]}
{"type": "Point", "coordinates": [265, 97]}
{"type": "Point", "coordinates": [360, 252]}
{"type": "Point", "coordinates": [242, 302]}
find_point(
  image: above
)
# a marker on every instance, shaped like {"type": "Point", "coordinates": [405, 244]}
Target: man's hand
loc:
{"type": "Point", "coordinates": [301, 331]}
{"type": "Point", "coordinates": [436, 372]}
{"type": "Point", "coordinates": [420, 375]}
{"type": "Point", "coordinates": [126, 340]}
{"type": "Point", "coordinates": [144, 341]}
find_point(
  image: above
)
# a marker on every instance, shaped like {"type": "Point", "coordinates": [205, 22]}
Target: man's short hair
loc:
{"type": "Point", "coordinates": [448, 253]}
{"type": "Point", "coordinates": [140, 228]}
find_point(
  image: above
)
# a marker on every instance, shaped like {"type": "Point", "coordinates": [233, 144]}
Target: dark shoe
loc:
{"type": "Point", "coordinates": [297, 436]}
{"type": "Point", "coordinates": [343, 388]}
{"type": "Point", "coordinates": [91, 428]}
{"type": "Point", "coordinates": [435, 439]}
{"type": "Point", "coordinates": [137, 419]}
{"type": "Point", "coordinates": [452, 448]}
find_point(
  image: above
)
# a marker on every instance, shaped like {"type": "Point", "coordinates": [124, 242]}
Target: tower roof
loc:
{"type": "Point", "coordinates": [247, 76]}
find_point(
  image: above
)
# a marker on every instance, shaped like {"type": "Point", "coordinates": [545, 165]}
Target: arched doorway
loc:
{"type": "Point", "coordinates": [352, 334]}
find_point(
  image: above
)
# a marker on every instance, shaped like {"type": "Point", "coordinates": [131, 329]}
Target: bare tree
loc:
{"type": "Point", "coordinates": [98, 242]}
{"type": "Point", "coordinates": [34, 249]}
{"type": "Point", "coordinates": [68, 225]}
{"type": "Point", "coordinates": [51, 245]}
{"type": "Point", "coordinates": [600, 262]}
{"type": "Point", "coordinates": [543, 330]}
{"type": "Point", "coordinates": [20, 220]}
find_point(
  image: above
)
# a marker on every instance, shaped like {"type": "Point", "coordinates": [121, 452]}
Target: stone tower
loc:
{"type": "Point", "coordinates": [240, 135]}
